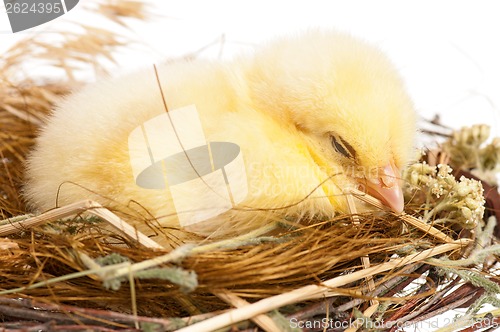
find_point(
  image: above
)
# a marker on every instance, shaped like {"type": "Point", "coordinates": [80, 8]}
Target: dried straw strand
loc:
{"type": "Point", "coordinates": [264, 321]}
{"type": "Point", "coordinates": [78, 208]}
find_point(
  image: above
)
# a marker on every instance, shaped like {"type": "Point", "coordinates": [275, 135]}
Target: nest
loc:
{"type": "Point", "coordinates": [68, 270]}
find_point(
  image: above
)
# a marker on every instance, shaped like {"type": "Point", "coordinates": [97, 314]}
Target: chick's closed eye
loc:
{"type": "Point", "coordinates": [342, 147]}
{"type": "Point", "coordinates": [275, 105]}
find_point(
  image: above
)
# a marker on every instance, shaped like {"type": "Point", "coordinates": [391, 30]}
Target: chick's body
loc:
{"type": "Point", "coordinates": [312, 114]}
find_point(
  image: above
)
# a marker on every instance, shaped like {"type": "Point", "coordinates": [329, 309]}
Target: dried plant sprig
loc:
{"type": "Point", "coordinates": [442, 197]}
{"type": "Point", "coordinates": [187, 280]}
{"type": "Point", "coordinates": [468, 150]}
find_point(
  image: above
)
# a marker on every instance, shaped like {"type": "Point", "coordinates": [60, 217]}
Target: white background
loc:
{"type": "Point", "coordinates": [446, 50]}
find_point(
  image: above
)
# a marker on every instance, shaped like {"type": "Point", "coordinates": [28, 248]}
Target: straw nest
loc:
{"type": "Point", "coordinates": [67, 270]}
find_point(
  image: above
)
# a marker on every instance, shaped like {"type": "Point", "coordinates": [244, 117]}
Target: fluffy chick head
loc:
{"type": "Point", "coordinates": [347, 100]}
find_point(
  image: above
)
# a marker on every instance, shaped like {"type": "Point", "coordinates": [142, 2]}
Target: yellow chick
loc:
{"type": "Point", "coordinates": [313, 115]}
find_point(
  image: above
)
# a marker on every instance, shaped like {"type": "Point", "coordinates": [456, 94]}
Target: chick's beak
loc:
{"type": "Point", "coordinates": [386, 187]}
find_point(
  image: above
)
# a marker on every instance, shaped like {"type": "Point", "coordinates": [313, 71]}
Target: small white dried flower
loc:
{"type": "Point", "coordinates": [437, 189]}
{"type": "Point", "coordinates": [463, 189]}
{"type": "Point", "coordinates": [466, 212]}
